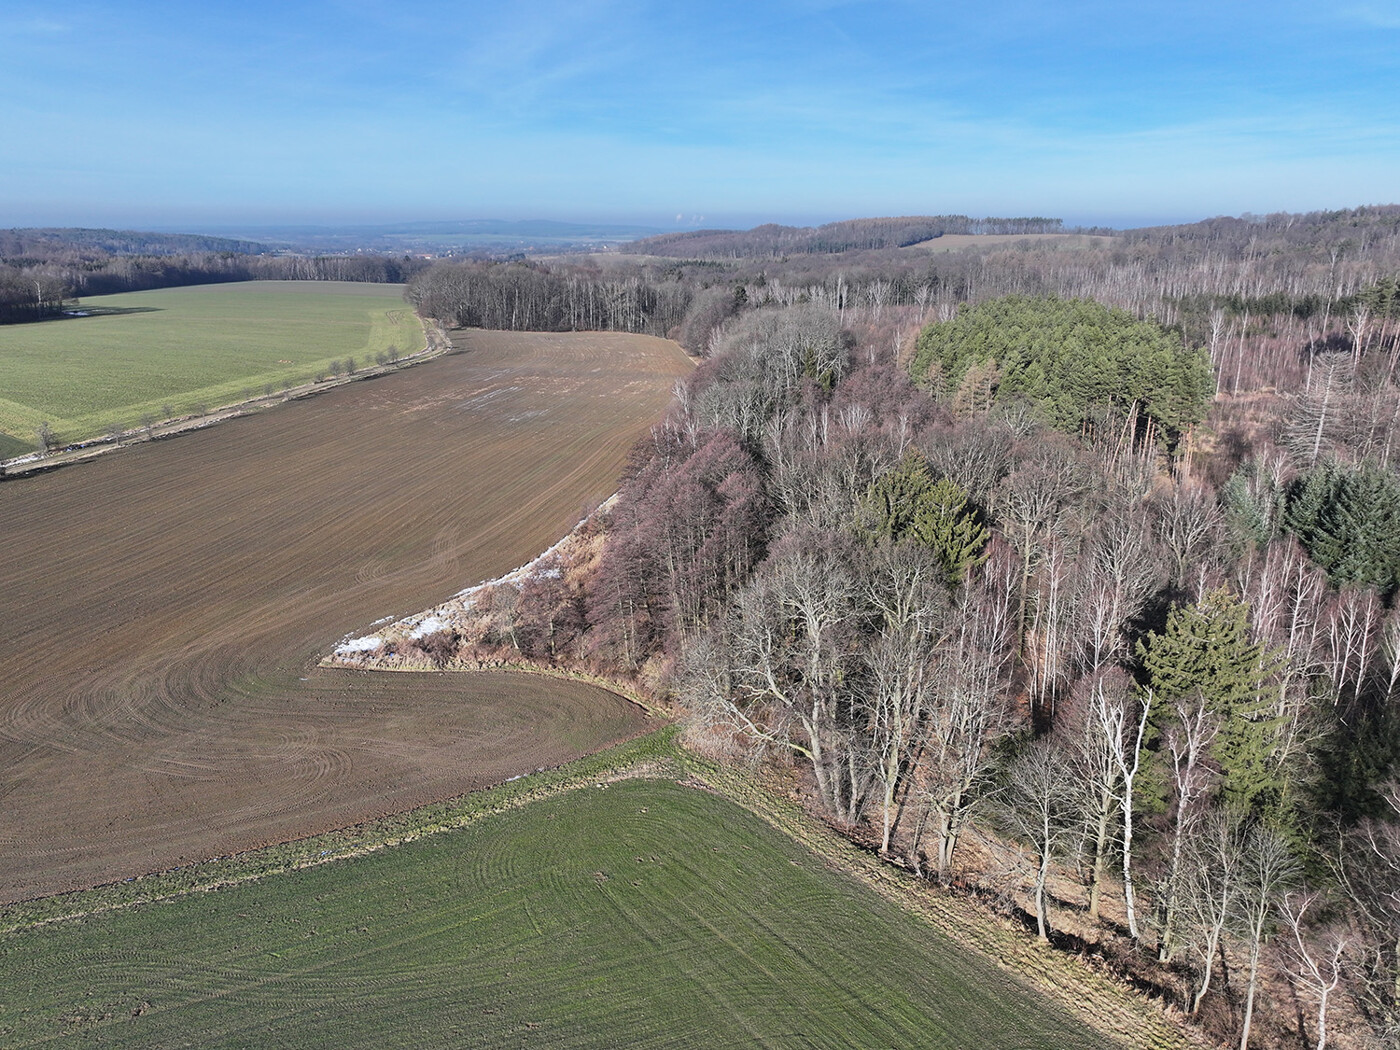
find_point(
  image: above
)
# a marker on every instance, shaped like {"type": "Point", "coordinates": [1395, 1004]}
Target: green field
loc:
{"type": "Point", "coordinates": [642, 914]}
{"type": "Point", "coordinates": [141, 353]}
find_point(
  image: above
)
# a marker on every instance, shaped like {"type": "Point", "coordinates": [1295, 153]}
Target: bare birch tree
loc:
{"type": "Point", "coordinates": [1316, 959]}
{"type": "Point", "coordinates": [1186, 741]}
{"type": "Point", "coordinates": [1268, 868]}
{"type": "Point", "coordinates": [1210, 890]}
{"type": "Point", "coordinates": [1038, 807]}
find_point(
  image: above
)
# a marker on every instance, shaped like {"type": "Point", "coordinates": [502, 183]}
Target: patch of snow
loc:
{"type": "Point", "coordinates": [359, 645]}
{"type": "Point", "coordinates": [427, 626]}
{"type": "Point", "coordinates": [443, 616]}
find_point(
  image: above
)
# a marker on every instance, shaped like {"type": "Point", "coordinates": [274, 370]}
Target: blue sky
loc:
{"type": "Point", "coordinates": [179, 114]}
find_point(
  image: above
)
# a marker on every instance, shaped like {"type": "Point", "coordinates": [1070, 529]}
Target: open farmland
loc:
{"type": "Point", "coordinates": [164, 608]}
{"type": "Point", "coordinates": [137, 354]}
{"type": "Point", "coordinates": [643, 914]}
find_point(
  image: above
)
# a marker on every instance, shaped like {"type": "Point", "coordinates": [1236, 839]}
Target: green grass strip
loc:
{"type": "Point", "coordinates": [636, 913]}
{"type": "Point", "coordinates": [654, 750]}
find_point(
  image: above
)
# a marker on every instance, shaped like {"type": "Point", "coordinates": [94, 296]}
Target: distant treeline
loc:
{"type": "Point", "coordinates": [40, 243]}
{"type": "Point", "coordinates": [40, 269]}
{"type": "Point", "coordinates": [1265, 295]}
{"type": "Point", "coordinates": [850, 235]}
{"type": "Point", "coordinates": [523, 296]}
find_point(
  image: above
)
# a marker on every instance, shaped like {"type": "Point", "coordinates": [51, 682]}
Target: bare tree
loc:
{"type": "Point", "coordinates": [1210, 890]}
{"type": "Point", "coordinates": [1314, 414]}
{"type": "Point", "coordinates": [1038, 806]}
{"type": "Point", "coordinates": [1368, 871]}
{"type": "Point", "coordinates": [1122, 716]}
{"type": "Point", "coordinates": [1123, 567]}
{"type": "Point", "coordinates": [905, 585]}
{"type": "Point", "coordinates": [790, 659]}
{"type": "Point", "coordinates": [1189, 525]}
{"type": "Point", "coordinates": [1032, 503]}
{"type": "Point", "coordinates": [1269, 866]}
{"type": "Point", "coordinates": [1317, 957]}
{"type": "Point", "coordinates": [969, 709]}
{"type": "Point", "coordinates": [1096, 780]}
{"type": "Point", "coordinates": [1352, 625]}
{"type": "Point", "coordinates": [1186, 740]}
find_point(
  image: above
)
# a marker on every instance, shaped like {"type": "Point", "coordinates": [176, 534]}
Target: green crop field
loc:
{"type": "Point", "coordinates": [642, 914]}
{"type": "Point", "coordinates": [145, 353]}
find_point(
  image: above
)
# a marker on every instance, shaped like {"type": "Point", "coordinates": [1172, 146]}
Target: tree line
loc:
{"type": "Point", "coordinates": [1157, 691]}
{"type": "Point", "coordinates": [42, 270]}
{"type": "Point", "coordinates": [832, 238]}
{"type": "Point", "coordinates": [525, 296]}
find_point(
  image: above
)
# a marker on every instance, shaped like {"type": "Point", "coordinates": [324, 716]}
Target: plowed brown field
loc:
{"type": "Point", "coordinates": [162, 610]}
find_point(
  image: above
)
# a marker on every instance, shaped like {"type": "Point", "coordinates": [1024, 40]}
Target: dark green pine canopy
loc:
{"type": "Point", "coordinates": [1074, 359]}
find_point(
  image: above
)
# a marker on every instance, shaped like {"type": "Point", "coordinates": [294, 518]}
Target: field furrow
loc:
{"type": "Point", "coordinates": [162, 610]}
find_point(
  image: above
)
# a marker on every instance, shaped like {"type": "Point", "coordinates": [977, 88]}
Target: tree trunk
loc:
{"type": "Point", "coordinates": [1041, 918]}
{"type": "Point", "coordinates": [1129, 894]}
{"type": "Point", "coordinates": [1100, 856]}
{"type": "Point", "coordinates": [1205, 977]}
{"type": "Point", "coordinates": [1249, 992]}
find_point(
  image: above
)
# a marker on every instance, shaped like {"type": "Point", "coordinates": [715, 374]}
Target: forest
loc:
{"type": "Point", "coordinates": [773, 240]}
{"type": "Point", "coordinates": [41, 269]}
{"type": "Point", "coordinates": [1062, 572]}
{"type": "Point", "coordinates": [1065, 578]}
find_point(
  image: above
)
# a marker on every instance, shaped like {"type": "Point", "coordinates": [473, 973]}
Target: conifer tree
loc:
{"type": "Point", "coordinates": [907, 502]}
{"type": "Point", "coordinates": [1071, 358]}
{"type": "Point", "coordinates": [950, 529]}
{"type": "Point", "coordinates": [1348, 520]}
{"type": "Point", "coordinates": [1206, 650]}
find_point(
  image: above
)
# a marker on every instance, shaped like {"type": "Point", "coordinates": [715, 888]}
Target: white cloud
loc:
{"type": "Point", "coordinates": [1378, 15]}
{"type": "Point", "coordinates": [37, 25]}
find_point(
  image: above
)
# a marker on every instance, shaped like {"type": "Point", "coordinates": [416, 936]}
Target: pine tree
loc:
{"type": "Point", "coordinates": [1072, 358]}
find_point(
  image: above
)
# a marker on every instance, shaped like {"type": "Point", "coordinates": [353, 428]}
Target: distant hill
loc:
{"type": "Point", "coordinates": [1282, 230]}
{"type": "Point", "coordinates": [44, 242]}
{"type": "Point", "coordinates": [845, 236]}
{"type": "Point", "coordinates": [527, 236]}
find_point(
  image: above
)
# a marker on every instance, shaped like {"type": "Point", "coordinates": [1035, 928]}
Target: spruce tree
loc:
{"type": "Point", "coordinates": [1206, 650]}
{"type": "Point", "coordinates": [908, 503]}
{"type": "Point", "coordinates": [892, 501]}
{"type": "Point", "coordinates": [945, 525]}
{"type": "Point", "coordinates": [1348, 520]}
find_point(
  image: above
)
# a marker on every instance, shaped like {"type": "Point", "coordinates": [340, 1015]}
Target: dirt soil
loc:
{"type": "Point", "coordinates": [163, 609]}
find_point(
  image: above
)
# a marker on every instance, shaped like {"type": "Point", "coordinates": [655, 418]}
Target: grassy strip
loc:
{"type": "Point", "coordinates": [1096, 1000]}
{"type": "Point", "coordinates": [645, 914]}
{"type": "Point", "coordinates": [654, 750]}
{"type": "Point", "coordinates": [1099, 1000]}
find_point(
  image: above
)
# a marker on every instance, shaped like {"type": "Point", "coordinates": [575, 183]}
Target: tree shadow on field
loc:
{"type": "Point", "coordinates": [106, 311]}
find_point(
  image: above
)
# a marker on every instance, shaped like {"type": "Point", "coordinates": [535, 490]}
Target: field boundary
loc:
{"type": "Point", "coordinates": [1098, 999]}
{"type": "Point", "coordinates": [652, 752]}
{"type": "Point", "coordinates": [436, 343]}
